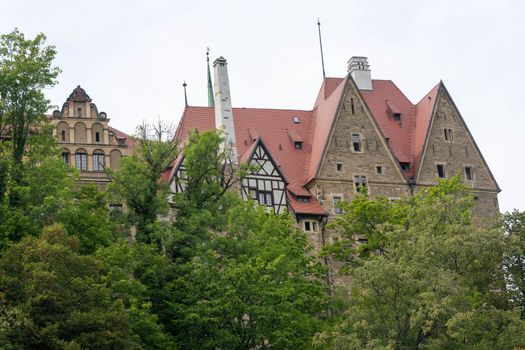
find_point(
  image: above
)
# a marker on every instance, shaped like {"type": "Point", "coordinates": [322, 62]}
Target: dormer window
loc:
{"type": "Point", "coordinates": [296, 139]}
{"type": "Point", "coordinates": [393, 111]}
{"type": "Point", "coordinates": [303, 199]}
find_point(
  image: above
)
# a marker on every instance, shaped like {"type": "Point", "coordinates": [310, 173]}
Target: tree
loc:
{"type": "Point", "coordinates": [25, 69]}
{"type": "Point", "coordinates": [254, 286]}
{"type": "Point", "coordinates": [137, 180]}
{"type": "Point", "coordinates": [435, 273]}
{"type": "Point", "coordinates": [57, 298]}
{"type": "Point", "coordinates": [514, 225]}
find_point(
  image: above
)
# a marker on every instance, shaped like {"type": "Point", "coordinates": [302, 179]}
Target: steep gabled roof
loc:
{"type": "Point", "coordinates": [279, 127]}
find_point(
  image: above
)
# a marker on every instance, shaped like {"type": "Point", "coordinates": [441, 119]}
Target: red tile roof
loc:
{"type": "Point", "coordinates": [276, 128]}
{"type": "Point", "coordinates": [130, 142]}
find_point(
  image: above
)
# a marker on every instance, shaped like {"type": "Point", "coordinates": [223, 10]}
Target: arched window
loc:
{"type": "Point", "coordinates": [97, 132]}
{"type": "Point", "coordinates": [63, 132]}
{"type": "Point", "coordinates": [98, 160]}
{"type": "Point", "coordinates": [114, 158]}
{"type": "Point", "coordinates": [65, 156]}
{"type": "Point", "coordinates": [81, 160]}
{"type": "Point", "coordinates": [80, 133]}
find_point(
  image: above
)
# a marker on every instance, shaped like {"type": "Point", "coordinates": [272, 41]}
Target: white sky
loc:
{"type": "Point", "coordinates": [132, 56]}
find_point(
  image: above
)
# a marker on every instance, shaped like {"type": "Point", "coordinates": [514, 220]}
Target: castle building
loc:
{"type": "Point", "coordinates": [87, 141]}
{"type": "Point", "coordinates": [360, 133]}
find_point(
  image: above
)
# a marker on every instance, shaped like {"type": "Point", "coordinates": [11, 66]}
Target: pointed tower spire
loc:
{"type": "Point", "coordinates": [321, 45]}
{"type": "Point", "coordinates": [185, 95]}
{"type": "Point", "coordinates": [211, 102]}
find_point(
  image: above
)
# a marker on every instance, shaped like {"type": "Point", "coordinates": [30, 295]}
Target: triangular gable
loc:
{"type": "Point", "coordinates": [259, 149]}
{"type": "Point", "coordinates": [351, 83]}
{"type": "Point", "coordinates": [442, 91]}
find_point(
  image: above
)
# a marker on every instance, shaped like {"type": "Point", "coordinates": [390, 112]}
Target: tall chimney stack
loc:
{"type": "Point", "coordinates": [359, 69]}
{"type": "Point", "coordinates": [223, 104]}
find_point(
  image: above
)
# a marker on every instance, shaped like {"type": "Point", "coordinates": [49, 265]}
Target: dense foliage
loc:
{"type": "Point", "coordinates": [204, 270]}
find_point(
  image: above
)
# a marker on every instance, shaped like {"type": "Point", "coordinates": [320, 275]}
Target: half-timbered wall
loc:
{"type": "Point", "coordinates": [264, 184]}
{"type": "Point", "coordinates": [178, 184]}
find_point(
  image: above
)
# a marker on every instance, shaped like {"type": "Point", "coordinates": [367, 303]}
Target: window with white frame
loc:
{"type": "Point", "coordinates": [360, 183]}
{"type": "Point", "coordinates": [356, 142]}
{"type": "Point", "coordinates": [336, 199]}
{"type": "Point", "coordinates": [310, 226]}
{"type": "Point", "coordinates": [98, 161]}
{"type": "Point", "coordinates": [65, 157]}
{"type": "Point", "coordinates": [81, 160]}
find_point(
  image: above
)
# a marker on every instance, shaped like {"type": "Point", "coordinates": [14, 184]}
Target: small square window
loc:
{"type": "Point", "coordinates": [468, 173]}
{"type": "Point", "coordinates": [441, 170]}
{"type": "Point", "coordinates": [379, 169]}
{"type": "Point", "coordinates": [339, 166]}
{"type": "Point", "coordinates": [397, 116]}
{"type": "Point", "coordinates": [404, 166]}
{"type": "Point", "coordinates": [296, 120]}
{"type": "Point", "coordinates": [298, 145]}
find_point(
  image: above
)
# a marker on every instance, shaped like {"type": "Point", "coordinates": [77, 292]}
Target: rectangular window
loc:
{"type": "Point", "coordinates": [65, 157]}
{"type": "Point", "coordinates": [379, 169]}
{"type": "Point", "coordinates": [310, 226]}
{"type": "Point", "coordinates": [79, 112]}
{"type": "Point", "coordinates": [448, 135]}
{"type": "Point", "coordinates": [81, 161]}
{"type": "Point", "coordinates": [356, 142]}
{"type": "Point", "coordinates": [98, 162]}
{"type": "Point", "coordinates": [63, 135]}
{"type": "Point", "coordinates": [336, 200]}
{"type": "Point", "coordinates": [468, 173]}
{"type": "Point", "coordinates": [360, 183]}
{"type": "Point", "coordinates": [265, 198]}
{"type": "Point", "coordinates": [97, 137]}
{"type": "Point", "coordinates": [339, 166]}
{"type": "Point", "coordinates": [441, 170]}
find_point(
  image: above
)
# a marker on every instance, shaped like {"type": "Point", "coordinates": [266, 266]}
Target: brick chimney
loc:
{"type": "Point", "coordinates": [359, 68]}
{"type": "Point", "coordinates": [223, 104]}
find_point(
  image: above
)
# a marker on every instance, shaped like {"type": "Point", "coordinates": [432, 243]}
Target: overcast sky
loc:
{"type": "Point", "coordinates": [132, 56]}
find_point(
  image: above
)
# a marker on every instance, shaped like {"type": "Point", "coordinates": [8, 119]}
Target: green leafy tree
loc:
{"type": "Point", "coordinates": [26, 67]}
{"type": "Point", "coordinates": [255, 286]}
{"type": "Point", "coordinates": [57, 298]}
{"type": "Point", "coordinates": [514, 225]}
{"type": "Point", "coordinates": [137, 180]}
{"type": "Point", "coordinates": [437, 268]}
